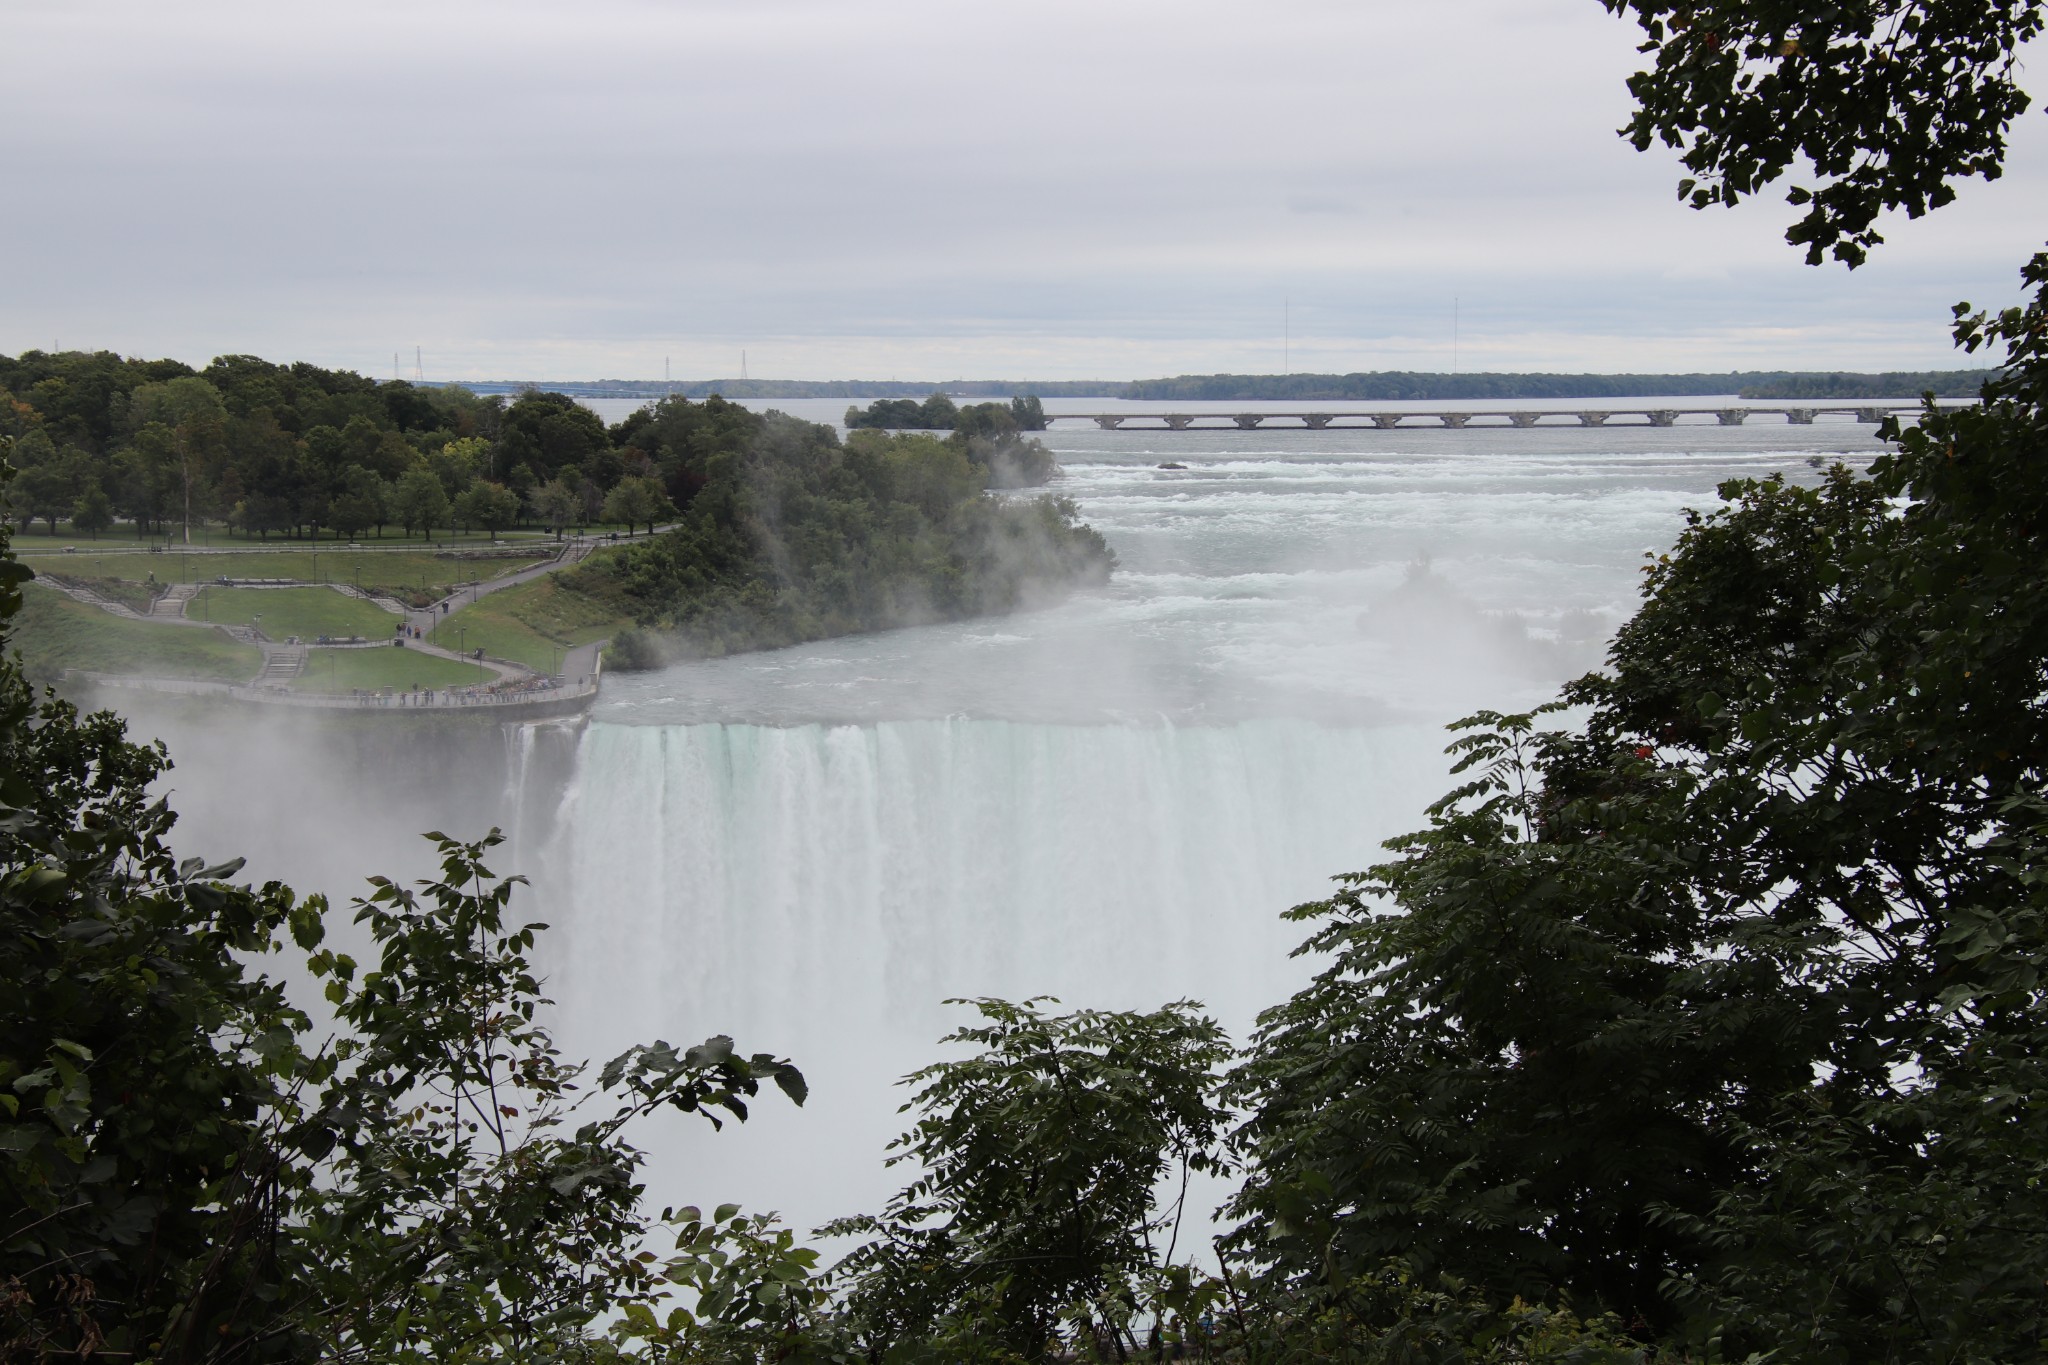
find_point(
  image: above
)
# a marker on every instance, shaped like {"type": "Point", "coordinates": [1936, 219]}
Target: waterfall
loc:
{"type": "Point", "coordinates": [819, 891]}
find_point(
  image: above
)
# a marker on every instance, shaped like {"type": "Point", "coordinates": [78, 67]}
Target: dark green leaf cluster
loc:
{"type": "Point", "coordinates": [1725, 1011]}
{"type": "Point", "coordinates": [1038, 1159]}
{"type": "Point", "coordinates": [185, 1175]}
{"type": "Point", "coordinates": [789, 536]}
{"type": "Point", "coordinates": [1884, 103]}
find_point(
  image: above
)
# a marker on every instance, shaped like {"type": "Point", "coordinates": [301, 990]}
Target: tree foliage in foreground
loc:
{"type": "Point", "coordinates": [1883, 103]}
{"type": "Point", "coordinates": [190, 1171]}
{"type": "Point", "coordinates": [1725, 1011]}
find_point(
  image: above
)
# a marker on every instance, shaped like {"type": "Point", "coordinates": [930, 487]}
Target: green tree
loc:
{"type": "Point", "coordinates": [1886, 103]}
{"type": "Point", "coordinates": [148, 476]}
{"type": "Point", "coordinates": [1039, 1161]}
{"type": "Point", "coordinates": [192, 410]}
{"type": "Point", "coordinates": [635, 500]}
{"type": "Point", "coordinates": [545, 431]}
{"type": "Point", "coordinates": [491, 506]}
{"type": "Point", "coordinates": [363, 501]}
{"type": "Point", "coordinates": [555, 505]}
{"type": "Point", "coordinates": [93, 512]}
{"type": "Point", "coordinates": [1724, 1008]}
{"type": "Point", "coordinates": [419, 502]}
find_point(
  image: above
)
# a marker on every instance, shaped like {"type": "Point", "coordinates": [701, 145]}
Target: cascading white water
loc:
{"type": "Point", "coordinates": [716, 871]}
{"type": "Point", "coordinates": [819, 890]}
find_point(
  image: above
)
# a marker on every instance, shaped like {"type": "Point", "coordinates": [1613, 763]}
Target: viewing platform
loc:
{"type": "Point", "coordinates": [1458, 419]}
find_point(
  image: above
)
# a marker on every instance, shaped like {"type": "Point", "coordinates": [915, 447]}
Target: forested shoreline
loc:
{"type": "Point", "coordinates": [788, 535]}
{"type": "Point", "coordinates": [781, 533]}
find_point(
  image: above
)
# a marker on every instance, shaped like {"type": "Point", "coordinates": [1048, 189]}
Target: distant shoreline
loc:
{"type": "Point", "coordinates": [1380, 386]}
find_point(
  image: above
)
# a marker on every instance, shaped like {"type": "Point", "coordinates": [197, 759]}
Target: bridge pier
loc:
{"type": "Point", "coordinates": [1871, 414]}
{"type": "Point", "coordinates": [1594, 419]}
{"type": "Point", "coordinates": [1178, 421]}
{"type": "Point", "coordinates": [1109, 423]}
{"type": "Point", "coordinates": [1731, 417]}
{"type": "Point", "coordinates": [1454, 420]}
{"type": "Point", "coordinates": [1799, 417]}
{"type": "Point", "coordinates": [1315, 421]}
{"type": "Point", "coordinates": [1249, 420]}
{"type": "Point", "coordinates": [1524, 419]}
{"type": "Point", "coordinates": [1663, 417]}
{"type": "Point", "coordinates": [1386, 421]}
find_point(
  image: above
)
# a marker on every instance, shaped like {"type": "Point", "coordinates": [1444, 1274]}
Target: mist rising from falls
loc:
{"type": "Point", "coordinates": [819, 891]}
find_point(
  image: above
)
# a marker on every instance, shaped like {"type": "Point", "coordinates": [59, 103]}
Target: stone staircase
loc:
{"type": "Point", "coordinates": [79, 592]}
{"type": "Point", "coordinates": [173, 601]}
{"type": "Point", "coordinates": [282, 663]}
{"type": "Point", "coordinates": [390, 604]}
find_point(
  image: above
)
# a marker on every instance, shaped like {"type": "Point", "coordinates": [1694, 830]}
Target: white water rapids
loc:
{"type": "Point", "coordinates": [1112, 800]}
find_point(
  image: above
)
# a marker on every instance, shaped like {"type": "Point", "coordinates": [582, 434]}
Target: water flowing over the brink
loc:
{"type": "Point", "coordinates": [819, 890]}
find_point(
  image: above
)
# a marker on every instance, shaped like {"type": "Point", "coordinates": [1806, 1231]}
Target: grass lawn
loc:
{"type": "Point", "coordinates": [305, 612]}
{"type": "Point", "coordinates": [532, 624]}
{"type": "Point", "coordinates": [343, 670]}
{"type": "Point", "coordinates": [54, 633]}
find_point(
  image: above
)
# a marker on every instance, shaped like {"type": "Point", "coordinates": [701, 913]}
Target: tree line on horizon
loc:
{"type": "Point", "coordinates": [1366, 386]}
{"type": "Point", "coordinates": [266, 449]}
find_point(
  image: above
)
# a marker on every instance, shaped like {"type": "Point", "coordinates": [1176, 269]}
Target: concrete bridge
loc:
{"type": "Point", "coordinates": [1455, 420]}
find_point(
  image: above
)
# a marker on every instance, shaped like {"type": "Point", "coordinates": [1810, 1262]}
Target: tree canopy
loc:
{"type": "Point", "coordinates": [1885, 104]}
{"type": "Point", "coordinates": [789, 535]}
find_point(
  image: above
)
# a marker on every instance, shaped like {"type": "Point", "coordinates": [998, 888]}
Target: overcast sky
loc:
{"type": "Point", "coordinates": [910, 189]}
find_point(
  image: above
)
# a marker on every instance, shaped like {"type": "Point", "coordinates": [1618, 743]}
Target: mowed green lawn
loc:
{"type": "Point", "coordinates": [401, 670]}
{"type": "Point", "coordinates": [305, 612]}
{"type": "Point", "coordinates": [54, 633]}
{"type": "Point", "coordinates": [533, 624]}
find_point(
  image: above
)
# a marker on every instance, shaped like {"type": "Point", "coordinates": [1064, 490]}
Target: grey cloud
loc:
{"type": "Point", "coordinates": [571, 184]}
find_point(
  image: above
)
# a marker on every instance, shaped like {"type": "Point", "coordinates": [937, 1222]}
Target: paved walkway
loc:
{"type": "Point", "coordinates": [574, 549]}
